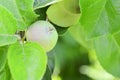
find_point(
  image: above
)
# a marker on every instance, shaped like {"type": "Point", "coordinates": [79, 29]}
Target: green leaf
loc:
{"type": "Point", "coordinates": [47, 75]}
{"type": "Point", "coordinates": [72, 6]}
{"type": "Point", "coordinates": [78, 34]}
{"type": "Point", "coordinates": [11, 6]}
{"type": "Point", "coordinates": [22, 11]}
{"type": "Point", "coordinates": [51, 61]}
{"type": "Point", "coordinates": [26, 9]}
{"type": "Point", "coordinates": [2, 76]}
{"type": "Point", "coordinates": [7, 22]}
{"type": "Point", "coordinates": [8, 27]}
{"type": "Point", "coordinates": [42, 13]}
{"type": "Point", "coordinates": [5, 74]}
{"type": "Point", "coordinates": [43, 3]}
{"type": "Point", "coordinates": [3, 57]}
{"type": "Point", "coordinates": [108, 53]}
{"type": "Point", "coordinates": [64, 50]}
{"type": "Point", "coordinates": [28, 59]}
{"type": "Point", "coordinates": [62, 16]}
{"type": "Point", "coordinates": [100, 17]}
{"type": "Point", "coordinates": [7, 39]}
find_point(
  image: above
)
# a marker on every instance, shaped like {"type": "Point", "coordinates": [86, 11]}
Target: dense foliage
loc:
{"type": "Point", "coordinates": [85, 32]}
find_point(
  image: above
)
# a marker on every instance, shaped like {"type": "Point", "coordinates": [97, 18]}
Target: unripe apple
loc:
{"type": "Point", "coordinates": [44, 33]}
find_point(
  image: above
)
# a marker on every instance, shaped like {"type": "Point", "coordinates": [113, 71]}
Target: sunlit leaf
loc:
{"type": "Point", "coordinates": [11, 6]}
{"type": "Point", "coordinates": [26, 9]}
{"type": "Point", "coordinates": [63, 15]}
{"type": "Point", "coordinates": [78, 33]}
{"type": "Point", "coordinates": [108, 53]}
{"type": "Point", "coordinates": [7, 39]}
{"type": "Point", "coordinates": [100, 17]}
{"type": "Point", "coordinates": [3, 57]}
{"type": "Point", "coordinates": [28, 59]}
{"type": "Point", "coordinates": [7, 22]}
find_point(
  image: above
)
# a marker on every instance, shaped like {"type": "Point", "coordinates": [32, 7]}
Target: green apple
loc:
{"type": "Point", "coordinates": [65, 13]}
{"type": "Point", "coordinates": [44, 33]}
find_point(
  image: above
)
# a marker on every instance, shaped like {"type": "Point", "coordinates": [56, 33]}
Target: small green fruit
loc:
{"type": "Point", "coordinates": [44, 33]}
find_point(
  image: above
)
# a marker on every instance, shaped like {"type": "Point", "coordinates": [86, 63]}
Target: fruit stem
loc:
{"type": "Point", "coordinates": [23, 37]}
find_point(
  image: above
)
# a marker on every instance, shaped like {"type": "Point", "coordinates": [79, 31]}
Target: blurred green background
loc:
{"type": "Point", "coordinates": [75, 62]}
